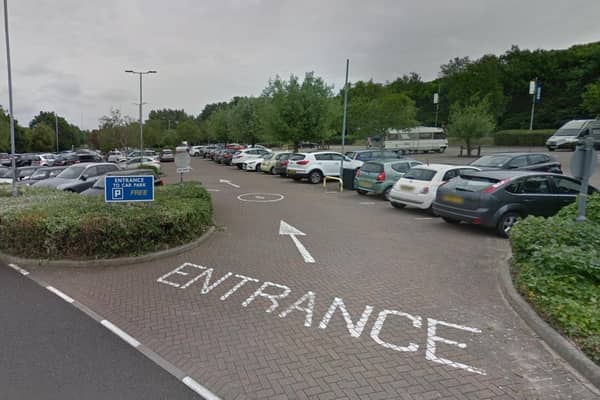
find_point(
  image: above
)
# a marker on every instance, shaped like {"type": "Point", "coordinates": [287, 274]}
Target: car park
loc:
{"type": "Point", "coordinates": [499, 199]}
{"type": "Point", "coordinates": [42, 174]}
{"type": "Point", "coordinates": [137, 162]}
{"type": "Point", "coordinates": [418, 187]}
{"type": "Point", "coordinates": [378, 176]}
{"type": "Point", "coordinates": [518, 161]}
{"type": "Point", "coordinates": [78, 177]}
{"type": "Point", "coordinates": [244, 155]}
{"type": "Point", "coordinates": [166, 155]}
{"type": "Point", "coordinates": [97, 189]}
{"type": "Point", "coordinates": [315, 166]}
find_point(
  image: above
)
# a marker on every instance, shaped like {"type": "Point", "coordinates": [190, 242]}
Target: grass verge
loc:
{"type": "Point", "coordinates": [51, 224]}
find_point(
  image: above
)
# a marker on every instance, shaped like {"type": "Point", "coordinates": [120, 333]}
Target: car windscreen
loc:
{"type": "Point", "coordinates": [420, 174]}
{"type": "Point", "coordinates": [268, 156]}
{"type": "Point", "coordinates": [372, 167]}
{"type": "Point", "coordinates": [40, 174]}
{"type": "Point", "coordinates": [71, 172]}
{"type": "Point", "coordinates": [25, 172]}
{"type": "Point", "coordinates": [470, 183]}
{"type": "Point", "coordinates": [497, 161]}
{"type": "Point", "coordinates": [384, 154]}
{"type": "Point", "coordinates": [566, 132]}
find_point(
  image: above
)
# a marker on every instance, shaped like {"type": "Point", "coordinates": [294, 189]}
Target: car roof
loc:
{"type": "Point", "coordinates": [443, 167]}
{"type": "Point", "coordinates": [515, 154]}
{"type": "Point", "coordinates": [131, 172]}
{"type": "Point", "coordinates": [506, 174]}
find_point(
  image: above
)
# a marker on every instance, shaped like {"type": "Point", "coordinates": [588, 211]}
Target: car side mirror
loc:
{"type": "Point", "coordinates": [84, 178]}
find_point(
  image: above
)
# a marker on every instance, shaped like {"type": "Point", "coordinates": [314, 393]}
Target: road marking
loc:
{"type": "Point", "coordinates": [287, 229]}
{"type": "Point", "coordinates": [60, 294]}
{"type": "Point", "coordinates": [367, 203]}
{"type": "Point", "coordinates": [120, 333]}
{"type": "Point", "coordinates": [212, 190]}
{"type": "Point", "coordinates": [261, 197]}
{"type": "Point", "coordinates": [198, 388]}
{"type": "Point", "coordinates": [423, 218]}
{"type": "Point", "coordinates": [229, 183]}
{"type": "Point", "coordinates": [19, 269]}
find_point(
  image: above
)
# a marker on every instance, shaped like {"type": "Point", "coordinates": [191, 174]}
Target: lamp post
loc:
{"type": "Point", "coordinates": [10, 104]}
{"type": "Point", "coordinates": [56, 130]}
{"type": "Point", "coordinates": [140, 73]}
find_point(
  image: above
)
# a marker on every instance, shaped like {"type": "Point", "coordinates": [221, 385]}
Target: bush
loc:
{"type": "Point", "coordinates": [58, 225]}
{"type": "Point", "coordinates": [522, 137]}
{"type": "Point", "coordinates": [557, 265]}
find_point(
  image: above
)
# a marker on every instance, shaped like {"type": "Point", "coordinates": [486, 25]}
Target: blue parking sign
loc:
{"type": "Point", "coordinates": [128, 188]}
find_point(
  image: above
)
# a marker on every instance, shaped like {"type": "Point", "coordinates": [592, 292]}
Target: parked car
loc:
{"type": "Point", "coordinates": [42, 174]}
{"type": "Point", "coordinates": [568, 135]}
{"type": "Point", "coordinates": [270, 160]}
{"type": "Point", "coordinates": [5, 159]}
{"type": "Point", "coordinates": [498, 199]}
{"type": "Point", "coordinates": [23, 173]}
{"type": "Point", "coordinates": [218, 156]}
{"type": "Point", "coordinates": [137, 162]}
{"type": "Point", "coordinates": [368, 155]}
{"type": "Point", "coordinates": [378, 177]}
{"type": "Point", "coordinates": [227, 156]}
{"type": "Point", "coordinates": [195, 151]}
{"type": "Point", "coordinates": [418, 187]}
{"type": "Point", "coordinates": [281, 162]}
{"type": "Point", "coordinates": [166, 155]}
{"type": "Point", "coordinates": [244, 155]}
{"type": "Point", "coordinates": [315, 166]}
{"type": "Point", "coordinates": [66, 159]}
{"type": "Point", "coordinates": [145, 153]}
{"type": "Point", "coordinates": [97, 188]}
{"type": "Point", "coordinates": [78, 177]}
{"type": "Point", "coordinates": [42, 160]}
{"type": "Point", "coordinates": [254, 164]}
{"type": "Point", "coordinates": [207, 149]}
{"type": "Point", "coordinates": [519, 161]}
{"type": "Point", "coordinates": [115, 156]}
{"type": "Point", "coordinates": [85, 157]}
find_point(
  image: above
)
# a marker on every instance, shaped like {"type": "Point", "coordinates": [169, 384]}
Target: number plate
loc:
{"type": "Point", "coordinates": [291, 171]}
{"type": "Point", "coordinates": [365, 183]}
{"type": "Point", "coordinates": [453, 199]}
{"type": "Point", "coordinates": [406, 188]}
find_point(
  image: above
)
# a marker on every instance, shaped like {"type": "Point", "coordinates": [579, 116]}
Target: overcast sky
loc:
{"type": "Point", "coordinates": [69, 55]}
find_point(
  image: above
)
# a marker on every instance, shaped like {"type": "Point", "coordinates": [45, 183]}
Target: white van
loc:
{"type": "Point", "coordinates": [567, 136]}
{"type": "Point", "coordinates": [420, 138]}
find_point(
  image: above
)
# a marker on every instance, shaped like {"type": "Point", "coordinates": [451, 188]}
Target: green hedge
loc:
{"type": "Point", "coordinates": [522, 137]}
{"type": "Point", "coordinates": [557, 266]}
{"type": "Point", "coordinates": [51, 224]}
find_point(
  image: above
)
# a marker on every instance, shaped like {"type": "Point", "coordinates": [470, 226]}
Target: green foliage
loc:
{"type": "Point", "coordinates": [591, 98]}
{"type": "Point", "coordinates": [522, 137]}
{"type": "Point", "coordinates": [69, 135]}
{"type": "Point", "coordinates": [43, 138]}
{"type": "Point", "coordinates": [470, 122]}
{"type": "Point", "coordinates": [50, 224]}
{"type": "Point", "coordinates": [557, 262]}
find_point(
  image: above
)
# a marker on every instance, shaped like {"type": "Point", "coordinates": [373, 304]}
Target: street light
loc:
{"type": "Point", "coordinates": [10, 103]}
{"type": "Point", "coordinates": [140, 73]}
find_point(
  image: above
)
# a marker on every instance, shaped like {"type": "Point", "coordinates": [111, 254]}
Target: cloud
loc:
{"type": "Point", "coordinates": [70, 55]}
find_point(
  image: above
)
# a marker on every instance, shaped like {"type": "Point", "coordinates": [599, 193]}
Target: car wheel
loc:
{"type": "Point", "coordinates": [397, 205]}
{"type": "Point", "coordinates": [451, 220]}
{"type": "Point", "coordinates": [361, 192]}
{"type": "Point", "coordinates": [386, 194]}
{"type": "Point", "coordinates": [239, 166]}
{"type": "Point", "coordinates": [257, 167]}
{"type": "Point", "coordinates": [272, 171]}
{"type": "Point", "coordinates": [315, 177]}
{"type": "Point", "coordinates": [506, 222]}
{"type": "Point", "coordinates": [549, 149]}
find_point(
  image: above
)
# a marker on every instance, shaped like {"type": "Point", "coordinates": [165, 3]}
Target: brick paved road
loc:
{"type": "Point", "coordinates": [369, 256]}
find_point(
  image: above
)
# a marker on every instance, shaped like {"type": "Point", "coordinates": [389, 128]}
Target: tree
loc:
{"type": "Point", "coordinates": [188, 131]}
{"type": "Point", "coordinates": [394, 110]}
{"type": "Point", "coordinates": [301, 111]}
{"type": "Point", "coordinates": [42, 138]}
{"type": "Point", "coordinates": [470, 122]}
{"type": "Point", "coordinates": [591, 99]}
{"type": "Point", "coordinates": [69, 135]}
{"type": "Point", "coordinates": [219, 125]}
{"type": "Point", "coordinates": [246, 122]}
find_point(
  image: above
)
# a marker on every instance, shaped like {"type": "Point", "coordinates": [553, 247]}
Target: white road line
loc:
{"type": "Point", "coordinates": [213, 190]}
{"type": "Point", "coordinates": [19, 269]}
{"type": "Point", "coordinates": [305, 254]}
{"type": "Point", "coordinates": [260, 197]}
{"type": "Point", "coordinates": [198, 388]}
{"type": "Point", "coordinates": [60, 294]}
{"type": "Point", "coordinates": [366, 203]}
{"type": "Point", "coordinates": [122, 334]}
{"type": "Point", "coordinates": [422, 218]}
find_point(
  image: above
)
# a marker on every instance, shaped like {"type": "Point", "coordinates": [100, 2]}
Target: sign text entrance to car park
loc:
{"type": "Point", "coordinates": [188, 274]}
{"type": "Point", "coordinates": [118, 189]}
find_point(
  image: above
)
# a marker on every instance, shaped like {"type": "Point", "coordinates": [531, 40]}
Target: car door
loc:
{"type": "Point", "coordinates": [566, 190]}
{"type": "Point", "coordinates": [535, 194]}
{"type": "Point", "coordinates": [323, 162]}
{"type": "Point", "coordinates": [335, 164]}
{"type": "Point", "coordinates": [539, 162]}
{"type": "Point", "coordinates": [519, 162]}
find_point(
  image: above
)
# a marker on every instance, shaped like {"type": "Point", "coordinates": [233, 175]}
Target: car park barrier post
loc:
{"type": "Point", "coordinates": [334, 178]}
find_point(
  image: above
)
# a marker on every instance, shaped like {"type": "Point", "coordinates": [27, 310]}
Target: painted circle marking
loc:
{"type": "Point", "coordinates": [261, 197]}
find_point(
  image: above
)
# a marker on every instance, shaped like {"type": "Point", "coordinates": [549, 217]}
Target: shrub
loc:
{"type": "Point", "coordinates": [557, 265]}
{"type": "Point", "coordinates": [522, 137]}
{"type": "Point", "coordinates": [57, 225]}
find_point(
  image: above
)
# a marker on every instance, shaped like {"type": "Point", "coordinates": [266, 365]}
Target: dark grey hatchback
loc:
{"type": "Point", "coordinates": [498, 199]}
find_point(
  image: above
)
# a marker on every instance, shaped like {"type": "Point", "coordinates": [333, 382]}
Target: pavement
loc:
{"type": "Point", "coordinates": [354, 300]}
{"type": "Point", "coordinates": [51, 350]}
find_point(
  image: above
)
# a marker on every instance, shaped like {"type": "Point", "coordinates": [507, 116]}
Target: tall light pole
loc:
{"type": "Point", "coordinates": [10, 103]}
{"type": "Point", "coordinates": [56, 130]}
{"type": "Point", "coordinates": [532, 92]}
{"type": "Point", "coordinates": [140, 73]}
{"type": "Point", "coordinates": [344, 119]}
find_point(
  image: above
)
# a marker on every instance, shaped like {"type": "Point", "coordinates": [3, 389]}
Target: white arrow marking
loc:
{"type": "Point", "coordinates": [228, 182]}
{"type": "Point", "coordinates": [213, 190]}
{"type": "Point", "coordinates": [287, 229]}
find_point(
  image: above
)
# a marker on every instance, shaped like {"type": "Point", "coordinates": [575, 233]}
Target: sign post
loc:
{"type": "Point", "coordinates": [128, 188]}
{"type": "Point", "coordinates": [583, 163]}
{"type": "Point", "coordinates": [182, 162]}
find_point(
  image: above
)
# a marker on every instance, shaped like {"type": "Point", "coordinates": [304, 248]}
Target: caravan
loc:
{"type": "Point", "coordinates": [420, 138]}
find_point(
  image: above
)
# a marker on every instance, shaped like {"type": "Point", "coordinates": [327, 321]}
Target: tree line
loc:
{"type": "Point", "coordinates": [476, 97]}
